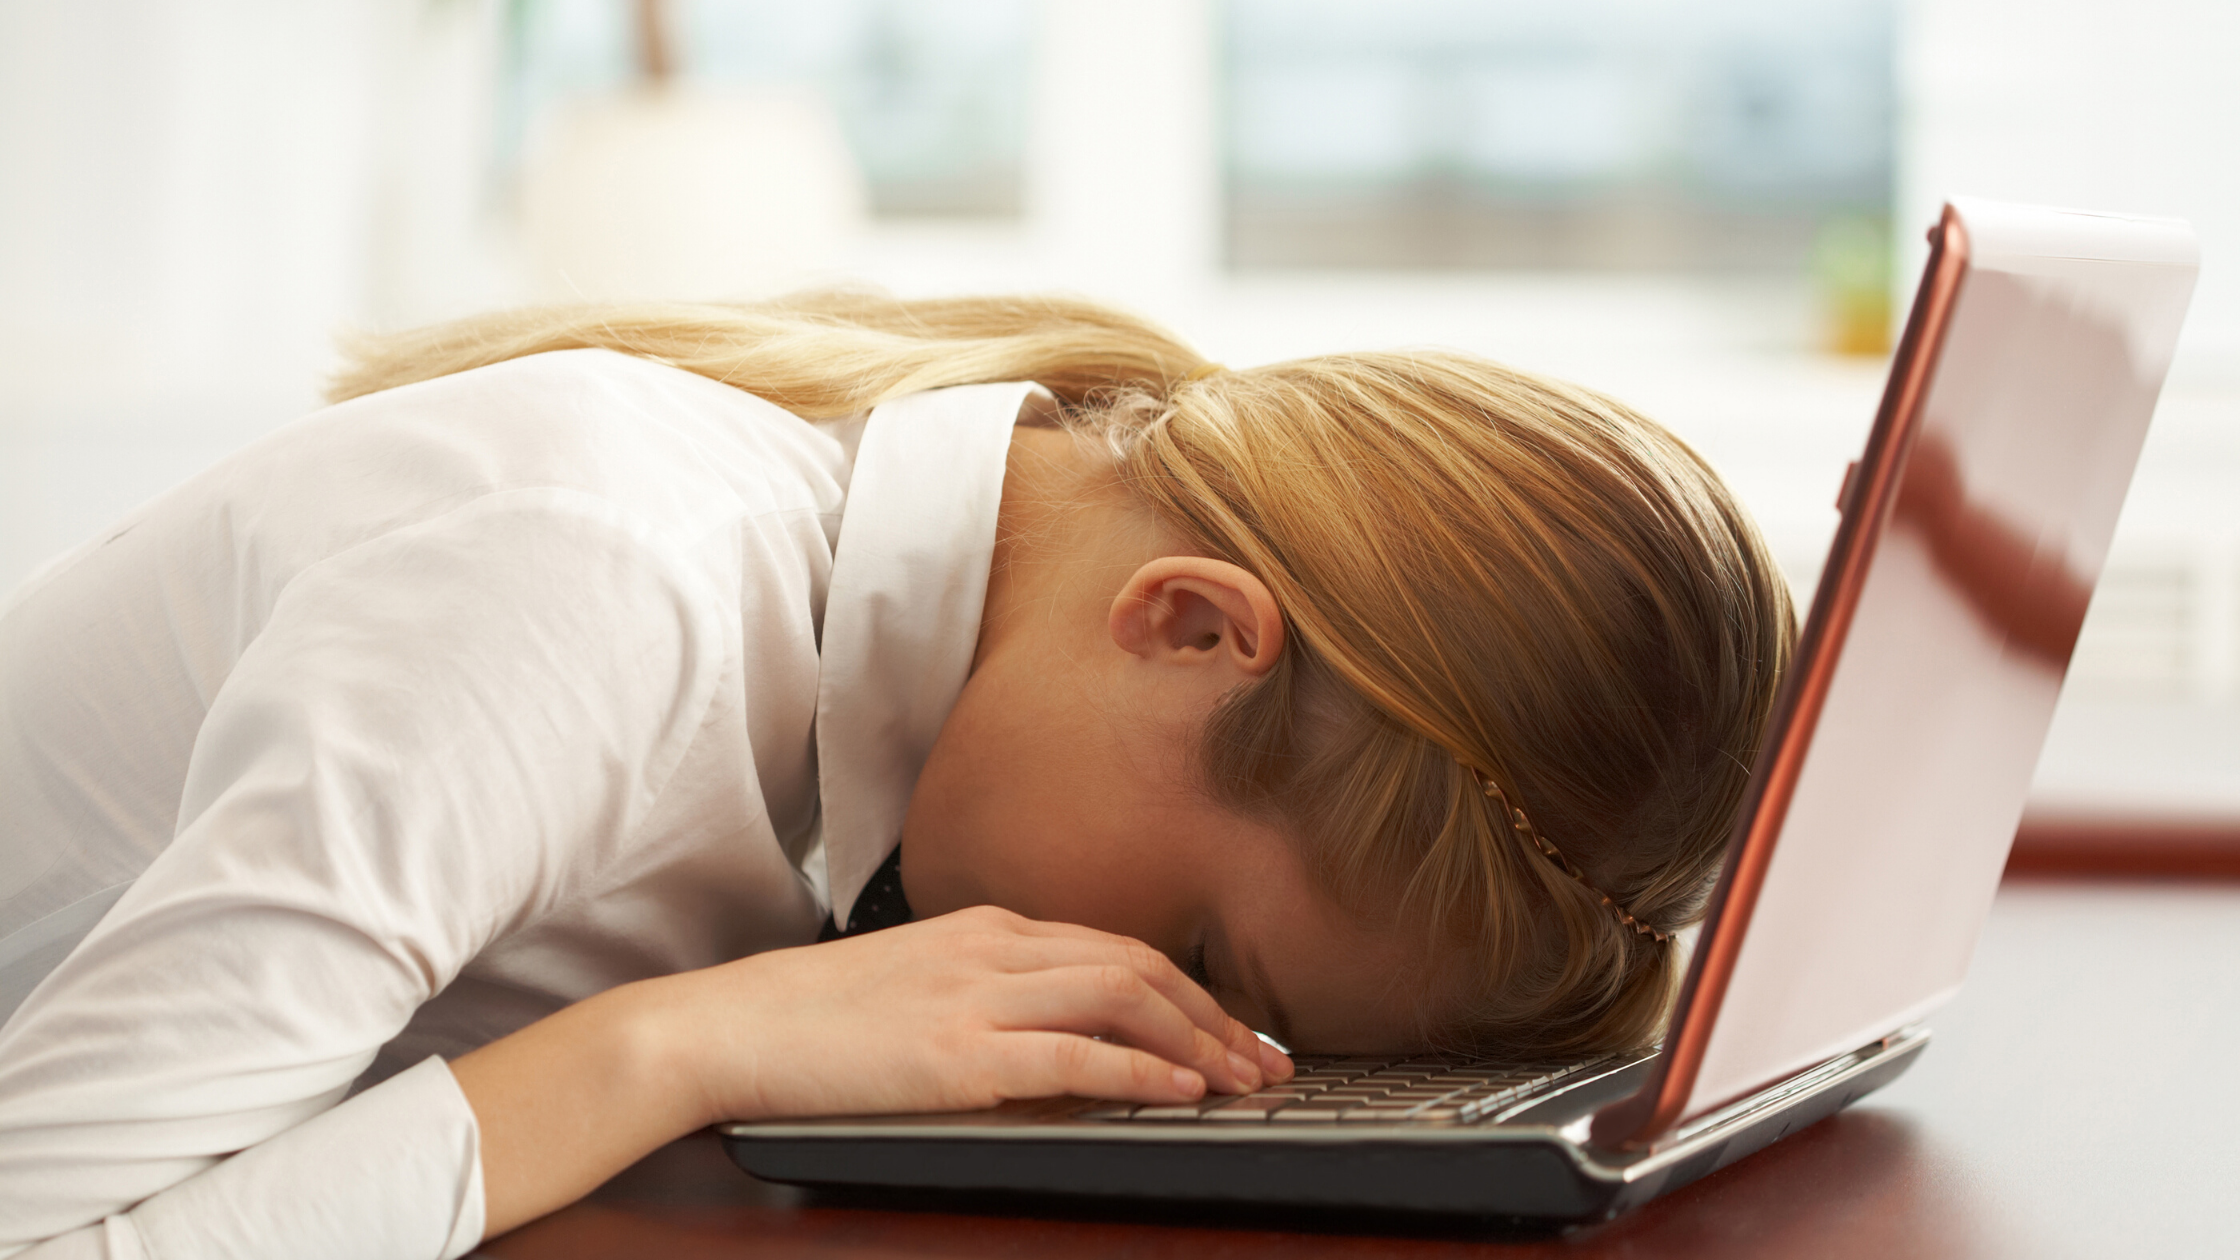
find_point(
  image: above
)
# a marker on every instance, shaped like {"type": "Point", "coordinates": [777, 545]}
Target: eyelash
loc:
{"type": "Point", "coordinates": [1194, 966]}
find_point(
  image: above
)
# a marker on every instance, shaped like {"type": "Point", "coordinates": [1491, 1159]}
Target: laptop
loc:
{"type": "Point", "coordinates": [1864, 861]}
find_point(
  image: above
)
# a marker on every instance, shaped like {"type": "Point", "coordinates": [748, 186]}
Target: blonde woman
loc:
{"type": "Point", "coordinates": [421, 815]}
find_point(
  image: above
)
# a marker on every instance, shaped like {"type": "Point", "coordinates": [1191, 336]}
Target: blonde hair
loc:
{"type": "Point", "coordinates": [1485, 572]}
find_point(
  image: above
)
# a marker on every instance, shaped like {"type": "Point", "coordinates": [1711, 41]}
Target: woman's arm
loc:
{"type": "Point", "coordinates": [438, 735]}
{"type": "Point", "coordinates": [958, 1012]}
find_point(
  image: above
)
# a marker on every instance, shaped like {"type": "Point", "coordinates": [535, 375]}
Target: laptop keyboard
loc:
{"type": "Point", "coordinates": [1365, 1091]}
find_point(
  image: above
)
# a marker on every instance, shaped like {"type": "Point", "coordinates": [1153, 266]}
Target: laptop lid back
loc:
{"type": "Point", "coordinates": [1973, 532]}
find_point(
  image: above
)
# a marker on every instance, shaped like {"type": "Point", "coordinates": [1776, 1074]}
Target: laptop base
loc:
{"type": "Point", "coordinates": [1532, 1164]}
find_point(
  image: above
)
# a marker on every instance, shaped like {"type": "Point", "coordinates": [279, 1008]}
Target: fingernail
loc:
{"type": "Point", "coordinates": [1188, 1083]}
{"type": "Point", "coordinates": [1246, 1072]}
{"type": "Point", "coordinates": [1275, 1064]}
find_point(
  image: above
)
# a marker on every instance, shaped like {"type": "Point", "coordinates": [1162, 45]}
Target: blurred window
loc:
{"type": "Point", "coordinates": [1618, 134]}
{"type": "Point", "coordinates": [931, 93]}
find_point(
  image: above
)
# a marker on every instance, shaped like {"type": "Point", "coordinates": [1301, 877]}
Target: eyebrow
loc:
{"type": "Point", "coordinates": [1267, 996]}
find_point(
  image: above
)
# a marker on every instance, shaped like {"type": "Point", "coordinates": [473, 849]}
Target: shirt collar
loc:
{"type": "Point", "coordinates": [902, 614]}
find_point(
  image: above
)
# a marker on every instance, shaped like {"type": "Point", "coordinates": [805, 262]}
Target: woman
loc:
{"type": "Point", "coordinates": [436, 802]}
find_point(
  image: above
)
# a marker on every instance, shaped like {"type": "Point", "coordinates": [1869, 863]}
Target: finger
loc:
{"type": "Point", "coordinates": [1040, 1064]}
{"type": "Point", "coordinates": [1070, 943]}
{"type": "Point", "coordinates": [1275, 1065]}
{"type": "Point", "coordinates": [1111, 1000]}
{"type": "Point", "coordinates": [1241, 1046]}
{"type": "Point", "coordinates": [1015, 943]}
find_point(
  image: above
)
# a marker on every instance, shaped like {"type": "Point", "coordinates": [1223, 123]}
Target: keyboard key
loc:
{"type": "Point", "coordinates": [1106, 1111]}
{"type": "Point", "coordinates": [1166, 1113]}
{"type": "Point", "coordinates": [1305, 1115]}
{"type": "Point", "coordinates": [1246, 1111]}
{"type": "Point", "coordinates": [1498, 1102]}
{"type": "Point", "coordinates": [1376, 1115]}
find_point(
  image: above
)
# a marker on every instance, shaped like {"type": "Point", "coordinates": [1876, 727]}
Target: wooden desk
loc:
{"type": "Point", "coordinates": [2080, 1100]}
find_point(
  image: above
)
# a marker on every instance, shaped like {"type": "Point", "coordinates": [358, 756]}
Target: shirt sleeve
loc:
{"type": "Point", "coordinates": [439, 736]}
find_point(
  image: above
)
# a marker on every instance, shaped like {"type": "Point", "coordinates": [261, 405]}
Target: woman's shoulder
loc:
{"type": "Point", "coordinates": [684, 463]}
{"type": "Point", "coordinates": [606, 423]}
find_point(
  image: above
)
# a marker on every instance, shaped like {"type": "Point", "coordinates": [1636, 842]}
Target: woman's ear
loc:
{"type": "Point", "coordinates": [1188, 610]}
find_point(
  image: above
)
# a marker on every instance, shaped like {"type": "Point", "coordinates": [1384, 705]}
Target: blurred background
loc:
{"type": "Point", "coordinates": [1710, 208]}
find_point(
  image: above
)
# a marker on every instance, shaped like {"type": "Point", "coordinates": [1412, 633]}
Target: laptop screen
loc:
{"type": "Point", "coordinates": [1974, 530]}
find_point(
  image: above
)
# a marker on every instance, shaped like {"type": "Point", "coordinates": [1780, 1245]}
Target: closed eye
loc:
{"type": "Point", "coordinates": [1194, 966]}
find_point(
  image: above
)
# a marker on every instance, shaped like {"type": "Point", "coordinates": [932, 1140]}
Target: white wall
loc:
{"type": "Point", "coordinates": [2130, 105]}
{"type": "Point", "coordinates": [198, 191]}
{"type": "Point", "coordinates": [1122, 186]}
{"type": "Point", "coordinates": [186, 189]}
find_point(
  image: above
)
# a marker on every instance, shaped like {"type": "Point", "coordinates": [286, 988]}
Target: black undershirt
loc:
{"type": "Point", "coordinates": [880, 904]}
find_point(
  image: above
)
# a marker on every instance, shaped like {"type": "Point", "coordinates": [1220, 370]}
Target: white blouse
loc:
{"type": "Point", "coordinates": [417, 720]}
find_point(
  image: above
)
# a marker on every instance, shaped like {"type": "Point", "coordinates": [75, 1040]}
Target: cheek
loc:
{"type": "Point", "coordinates": [1094, 877]}
{"type": "Point", "coordinates": [1048, 825]}
{"type": "Point", "coordinates": [993, 799]}
{"type": "Point", "coordinates": [938, 857]}
{"type": "Point", "coordinates": [1038, 798]}
{"type": "Point", "coordinates": [1049, 847]}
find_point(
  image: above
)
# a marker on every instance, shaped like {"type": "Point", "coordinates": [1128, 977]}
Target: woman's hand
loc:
{"type": "Point", "coordinates": [959, 1012]}
{"type": "Point", "coordinates": [953, 1013]}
